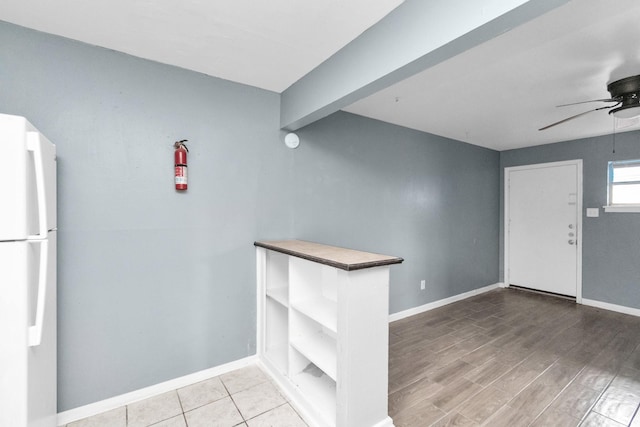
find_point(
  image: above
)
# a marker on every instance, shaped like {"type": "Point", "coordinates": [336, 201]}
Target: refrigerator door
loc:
{"type": "Point", "coordinates": [28, 395]}
{"type": "Point", "coordinates": [16, 258]}
{"type": "Point", "coordinates": [42, 402]}
{"type": "Point", "coordinates": [27, 181]}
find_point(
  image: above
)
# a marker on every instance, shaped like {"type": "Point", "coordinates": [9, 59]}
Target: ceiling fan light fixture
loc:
{"type": "Point", "coordinates": [630, 107]}
{"type": "Point", "coordinates": [628, 91]}
{"type": "Point", "coordinates": [626, 112]}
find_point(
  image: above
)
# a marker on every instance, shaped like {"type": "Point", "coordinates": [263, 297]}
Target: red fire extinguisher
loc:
{"type": "Point", "coordinates": [180, 157]}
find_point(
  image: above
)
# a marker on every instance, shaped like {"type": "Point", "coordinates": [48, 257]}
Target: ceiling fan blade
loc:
{"type": "Point", "coordinates": [591, 100]}
{"type": "Point", "coordinates": [578, 115]}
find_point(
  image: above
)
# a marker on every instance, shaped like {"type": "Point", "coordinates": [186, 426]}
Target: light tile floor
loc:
{"type": "Point", "coordinates": [245, 398]}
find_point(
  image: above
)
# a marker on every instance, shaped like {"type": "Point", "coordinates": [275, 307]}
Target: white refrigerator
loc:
{"type": "Point", "coordinates": [28, 338]}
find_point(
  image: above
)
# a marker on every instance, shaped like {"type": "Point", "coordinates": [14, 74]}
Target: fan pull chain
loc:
{"type": "Point", "coordinates": [614, 135]}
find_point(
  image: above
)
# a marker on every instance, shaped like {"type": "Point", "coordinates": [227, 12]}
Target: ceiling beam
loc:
{"type": "Point", "coordinates": [417, 35]}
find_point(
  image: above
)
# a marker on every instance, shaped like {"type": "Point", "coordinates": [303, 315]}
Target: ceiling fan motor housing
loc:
{"type": "Point", "coordinates": [627, 91]}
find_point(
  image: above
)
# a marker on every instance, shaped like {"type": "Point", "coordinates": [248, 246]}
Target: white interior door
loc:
{"type": "Point", "coordinates": [543, 207]}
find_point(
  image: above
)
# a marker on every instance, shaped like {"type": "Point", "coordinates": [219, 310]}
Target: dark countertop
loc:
{"type": "Point", "coordinates": [345, 259]}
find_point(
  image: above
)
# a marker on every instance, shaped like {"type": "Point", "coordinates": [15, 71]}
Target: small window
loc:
{"type": "Point", "coordinates": [624, 186]}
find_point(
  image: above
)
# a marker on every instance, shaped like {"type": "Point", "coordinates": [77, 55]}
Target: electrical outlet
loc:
{"type": "Point", "coordinates": [423, 285]}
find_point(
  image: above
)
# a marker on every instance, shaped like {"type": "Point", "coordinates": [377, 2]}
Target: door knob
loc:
{"type": "Point", "coordinates": [571, 234]}
{"type": "Point", "coordinates": [571, 242]}
{"type": "Point", "coordinates": [570, 226]}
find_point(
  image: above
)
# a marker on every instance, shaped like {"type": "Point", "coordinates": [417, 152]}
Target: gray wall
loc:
{"type": "Point", "coordinates": [383, 188]}
{"type": "Point", "coordinates": [155, 284]}
{"type": "Point", "coordinates": [611, 242]}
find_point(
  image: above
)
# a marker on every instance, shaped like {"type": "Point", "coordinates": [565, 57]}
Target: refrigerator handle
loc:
{"type": "Point", "coordinates": [35, 331]}
{"type": "Point", "coordinates": [34, 144]}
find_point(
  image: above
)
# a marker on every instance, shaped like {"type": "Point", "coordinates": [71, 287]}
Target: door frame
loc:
{"type": "Point", "coordinates": [507, 172]}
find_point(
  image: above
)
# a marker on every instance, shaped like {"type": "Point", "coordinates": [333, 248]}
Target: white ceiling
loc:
{"type": "Point", "coordinates": [496, 95]}
{"type": "Point", "coordinates": [500, 93]}
{"type": "Point", "coordinates": [267, 44]}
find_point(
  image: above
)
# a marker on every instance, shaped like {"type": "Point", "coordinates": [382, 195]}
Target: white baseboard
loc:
{"type": "Point", "coordinates": [611, 307]}
{"type": "Point", "coordinates": [96, 408]}
{"type": "Point", "coordinates": [387, 422]}
{"type": "Point", "coordinates": [430, 306]}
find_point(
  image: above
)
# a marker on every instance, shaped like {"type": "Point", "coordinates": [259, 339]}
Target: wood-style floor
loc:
{"type": "Point", "coordinates": [515, 358]}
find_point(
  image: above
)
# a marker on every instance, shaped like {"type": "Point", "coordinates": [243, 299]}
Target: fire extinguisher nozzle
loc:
{"type": "Point", "coordinates": [180, 144]}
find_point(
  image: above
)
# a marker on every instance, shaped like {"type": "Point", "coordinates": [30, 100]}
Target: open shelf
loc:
{"type": "Point", "coordinates": [277, 334]}
{"type": "Point", "coordinates": [280, 295]}
{"type": "Point", "coordinates": [277, 272]}
{"type": "Point", "coordinates": [311, 281]}
{"type": "Point", "coordinates": [322, 310]}
{"type": "Point", "coordinates": [319, 349]}
{"type": "Point", "coordinates": [318, 388]}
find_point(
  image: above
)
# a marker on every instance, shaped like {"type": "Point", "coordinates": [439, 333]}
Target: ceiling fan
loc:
{"type": "Point", "coordinates": [625, 96]}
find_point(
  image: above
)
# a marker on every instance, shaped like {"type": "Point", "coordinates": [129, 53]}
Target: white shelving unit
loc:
{"type": "Point", "coordinates": [323, 330]}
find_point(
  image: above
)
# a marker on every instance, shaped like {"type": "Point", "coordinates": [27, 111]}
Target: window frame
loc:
{"type": "Point", "coordinates": [620, 207]}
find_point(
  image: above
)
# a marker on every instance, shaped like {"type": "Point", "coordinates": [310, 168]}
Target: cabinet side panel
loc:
{"type": "Point", "coordinates": [261, 256]}
{"type": "Point", "coordinates": [363, 338]}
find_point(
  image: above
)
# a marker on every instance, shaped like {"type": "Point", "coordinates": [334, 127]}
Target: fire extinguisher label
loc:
{"type": "Point", "coordinates": [181, 175]}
